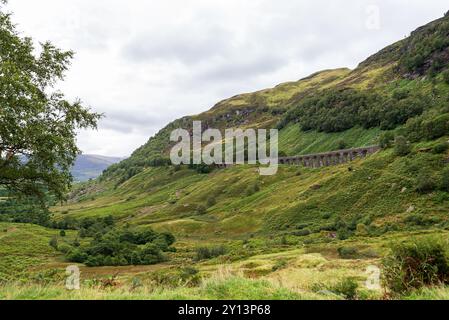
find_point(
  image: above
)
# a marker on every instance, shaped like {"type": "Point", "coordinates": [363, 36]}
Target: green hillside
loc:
{"type": "Point", "coordinates": [297, 234]}
{"type": "Point", "coordinates": [404, 81]}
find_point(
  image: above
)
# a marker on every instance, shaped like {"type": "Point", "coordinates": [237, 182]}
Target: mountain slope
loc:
{"type": "Point", "coordinates": [402, 81]}
{"type": "Point", "coordinates": [385, 96]}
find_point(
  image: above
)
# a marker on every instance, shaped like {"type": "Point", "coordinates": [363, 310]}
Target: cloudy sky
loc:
{"type": "Point", "coordinates": [145, 63]}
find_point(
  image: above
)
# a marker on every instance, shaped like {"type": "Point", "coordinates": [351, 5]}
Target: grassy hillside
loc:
{"type": "Point", "coordinates": [298, 234]}
{"type": "Point", "coordinates": [404, 81]}
{"type": "Point", "coordinates": [25, 247]}
{"type": "Point", "coordinates": [239, 202]}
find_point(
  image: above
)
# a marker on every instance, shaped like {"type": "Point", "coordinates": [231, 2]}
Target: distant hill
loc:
{"type": "Point", "coordinates": [89, 166]}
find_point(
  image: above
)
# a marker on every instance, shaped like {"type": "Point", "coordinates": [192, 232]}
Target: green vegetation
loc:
{"type": "Point", "coordinates": [425, 51]}
{"type": "Point", "coordinates": [37, 125]}
{"type": "Point", "coordinates": [416, 264]}
{"type": "Point", "coordinates": [302, 233]}
{"type": "Point", "coordinates": [342, 109]}
{"type": "Point", "coordinates": [401, 146]}
{"type": "Point", "coordinates": [205, 253]}
{"type": "Point", "coordinates": [123, 247]}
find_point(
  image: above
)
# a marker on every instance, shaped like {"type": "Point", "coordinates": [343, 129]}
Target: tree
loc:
{"type": "Point", "coordinates": [401, 146]}
{"type": "Point", "coordinates": [386, 139]}
{"type": "Point", "coordinates": [37, 124]}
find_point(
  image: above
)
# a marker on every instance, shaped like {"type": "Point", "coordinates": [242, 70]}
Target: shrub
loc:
{"type": "Point", "coordinates": [416, 264]}
{"type": "Point", "coordinates": [64, 248]}
{"type": "Point", "coordinates": [341, 144]}
{"type": "Point", "coordinates": [188, 276]}
{"type": "Point", "coordinates": [326, 216]}
{"type": "Point", "coordinates": [302, 233]}
{"type": "Point", "coordinates": [201, 210]}
{"type": "Point", "coordinates": [280, 264]}
{"type": "Point", "coordinates": [421, 220]}
{"type": "Point", "coordinates": [252, 189]}
{"type": "Point", "coordinates": [347, 252]}
{"type": "Point", "coordinates": [206, 253]}
{"type": "Point", "coordinates": [346, 288]}
{"type": "Point", "coordinates": [440, 148]}
{"type": "Point", "coordinates": [401, 146]}
{"type": "Point", "coordinates": [435, 127]}
{"type": "Point", "coordinates": [62, 233]}
{"type": "Point", "coordinates": [343, 233]}
{"type": "Point", "coordinates": [76, 243]}
{"type": "Point", "coordinates": [124, 247]}
{"type": "Point", "coordinates": [53, 243]}
{"type": "Point", "coordinates": [386, 139]}
{"type": "Point", "coordinates": [425, 182]}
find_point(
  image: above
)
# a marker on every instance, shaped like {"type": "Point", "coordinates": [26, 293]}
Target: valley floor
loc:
{"type": "Point", "coordinates": [33, 270]}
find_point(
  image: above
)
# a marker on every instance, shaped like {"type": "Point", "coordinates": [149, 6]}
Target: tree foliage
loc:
{"type": "Point", "coordinates": [120, 247]}
{"type": "Point", "coordinates": [37, 124]}
{"type": "Point", "coordinates": [343, 109]}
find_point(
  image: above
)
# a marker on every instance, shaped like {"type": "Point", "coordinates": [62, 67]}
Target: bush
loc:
{"type": "Point", "coordinates": [421, 220]}
{"type": "Point", "coordinates": [348, 252]}
{"type": "Point", "coordinates": [416, 264]}
{"type": "Point", "coordinates": [341, 144]}
{"type": "Point", "coordinates": [53, 243]}
{"type": "Point", "coordinates": [346, 288]}
{"type": "Point", "coordinates": [435, 127]}
{"type": "Point", "coordinates": [401, 146]}
{"type": "Point", "coordinates": [124, 247]}
{"type": "Point", "coordinates": [302, 233]}
{"type": "Point", "coordinates": [343, 233]}
{"type": "Point", "coordinates": [326, 216]}
{"type": "Point", "coordinates": [280, 264]}
{"type": "Point", "coordinates": [206, 253]}
{"type": "Point", "coordinates": [62, 233]}
{"type": "Point", "coordinates": [187, 276]}
{"type": "Point", "coordinates": [425, 182]}
{"type": "Point", "coordinates": [201, 210]}
{"type": "Point", "coordinates": [440, 148]}
{"type": "Point", "coordinates": [386, 140]}
{"type": "Point", "coordinates": [64, 248]}
{"type": "Point", "coordinates": [252, 189]}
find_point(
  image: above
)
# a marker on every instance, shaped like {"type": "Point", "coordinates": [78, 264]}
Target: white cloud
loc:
{"type": "Point", "coordinates": [145, 63]}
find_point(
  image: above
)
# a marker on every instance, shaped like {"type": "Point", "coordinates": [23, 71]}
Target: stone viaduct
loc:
{"type": "Point", "coordinates": [329, 158]}
{"type": "Point", "coordinates": [326, 159]}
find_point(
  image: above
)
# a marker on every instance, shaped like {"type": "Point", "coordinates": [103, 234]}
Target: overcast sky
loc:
{"type": "Point", "coordinates": [145, 63]}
